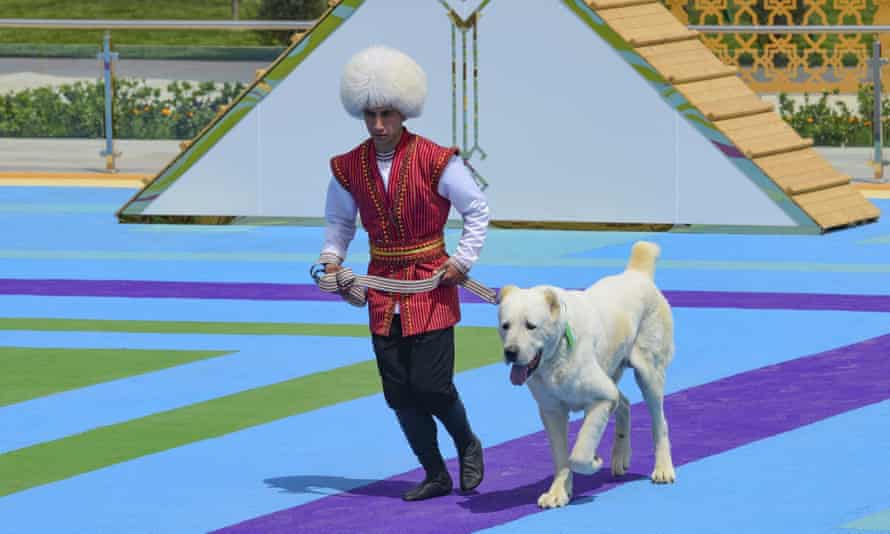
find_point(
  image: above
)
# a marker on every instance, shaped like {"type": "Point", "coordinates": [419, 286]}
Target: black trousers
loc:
{"type": "Point", "coordinates": [416, 370]}
{"type": "Point", "coordinates": [417, 373]}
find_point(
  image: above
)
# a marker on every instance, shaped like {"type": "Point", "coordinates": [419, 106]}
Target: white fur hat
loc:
{"type": "Point", "coordinates": [379, 77]}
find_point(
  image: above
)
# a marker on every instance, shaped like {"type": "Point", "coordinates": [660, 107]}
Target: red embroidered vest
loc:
{"type": "Point", "coordinates": [405, 224]}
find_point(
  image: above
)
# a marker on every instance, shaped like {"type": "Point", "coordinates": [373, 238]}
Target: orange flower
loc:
{"type": "Point", "coordinates": [166, 112]}
{"type": "Point", "coordinates": [809, 119]}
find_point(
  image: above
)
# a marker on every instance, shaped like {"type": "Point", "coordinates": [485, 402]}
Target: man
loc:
{"type": "Point", "coordinates": [403, 187]}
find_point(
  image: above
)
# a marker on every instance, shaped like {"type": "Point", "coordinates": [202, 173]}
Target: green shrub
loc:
{"type": "Point", "coordinates": [288, 10]}
{"type": "Point", "coordinates": [138, 111]}
{"type": "Point", "coordinates": [836, 125]}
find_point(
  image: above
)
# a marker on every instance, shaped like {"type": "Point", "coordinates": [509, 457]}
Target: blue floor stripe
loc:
{"type": "Point", "coordinates": [201, 310]}
{"type": "Point", "coordinates": [65, 195]}
{"type": "Point", "coordinates": [260, 361]}
{"type": "Point", "coordinates": [850, 246]}
{"type": "Point", "coordinates": [301, 458]}
{"type": "Point", "coordinates": [809, 480]}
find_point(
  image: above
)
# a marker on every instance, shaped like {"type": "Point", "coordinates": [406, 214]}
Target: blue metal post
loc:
{"type": "Point", "coordinates": [107, 58]}
{"type": "Point", "coordinates": [876, 63]}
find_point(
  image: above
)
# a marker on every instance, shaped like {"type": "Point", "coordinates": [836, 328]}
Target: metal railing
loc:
{"type": "Point", "coordinates": [875, 64]}
{"type": "Point", "coordinates": [108, 57]}
{"type": "Point", "coordinates": [78, 24]}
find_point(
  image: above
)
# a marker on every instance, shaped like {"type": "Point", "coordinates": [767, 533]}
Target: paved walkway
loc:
{"type": "Point", "coordinates": [56, 155]}
{"type": "Point", "coordinates": [79, 162]}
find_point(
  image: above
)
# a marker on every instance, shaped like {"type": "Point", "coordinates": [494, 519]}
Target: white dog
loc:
{"type": "Point", "coordinates": [572, 347]}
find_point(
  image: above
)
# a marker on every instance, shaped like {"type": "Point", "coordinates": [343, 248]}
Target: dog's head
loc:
{"type": "Point", "coordinates": [529, 322]}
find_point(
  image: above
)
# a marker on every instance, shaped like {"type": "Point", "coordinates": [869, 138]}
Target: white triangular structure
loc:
{"type": "Point", "coordinates": [576, 128]}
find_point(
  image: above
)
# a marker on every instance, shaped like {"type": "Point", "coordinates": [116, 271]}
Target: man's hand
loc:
{"type": "Point", "coordinates": [333, 268]}
{"type": "Point", "coordinates": [452, 276]}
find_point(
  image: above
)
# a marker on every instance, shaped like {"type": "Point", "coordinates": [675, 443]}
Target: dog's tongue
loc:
{"type": "Point", "coordinates": [518, 374]}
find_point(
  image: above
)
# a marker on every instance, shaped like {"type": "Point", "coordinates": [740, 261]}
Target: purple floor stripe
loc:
{"type": "Point", "coordinates": [154, 289]}
{"type": "Point", "coordinates": [778, 301]}
{"type": "Point", "coordinates": [704, 421]}
{"type": "Point", "coordinates": [269, 291]}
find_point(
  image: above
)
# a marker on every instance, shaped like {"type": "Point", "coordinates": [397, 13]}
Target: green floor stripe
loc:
{"type": "Point", "coordinates": [57, 460]}
{"type": "Point", "coordinates": [876, 522]}
{"type": "Point", "coordinates": [184, 327]}
{"type": "Point", "coordinates": [29, 373]}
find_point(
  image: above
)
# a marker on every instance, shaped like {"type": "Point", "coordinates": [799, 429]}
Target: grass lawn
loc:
{"type": "Point", "coordinates": [133, 9]}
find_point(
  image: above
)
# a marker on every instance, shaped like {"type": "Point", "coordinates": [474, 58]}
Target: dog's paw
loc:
{"type": "Point", "coordinates": [585, 467]}
{"type": "Point", "coordinates": [663, 473]}
{"type": "Point", "coordinates": [555, 498]}
{"type": "Point", "coordinates": [620, 459]}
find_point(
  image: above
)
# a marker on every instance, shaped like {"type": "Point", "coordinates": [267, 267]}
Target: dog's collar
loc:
{"type": "Point", "coordinates": [568, 334]}
{"type": "Point", "coordinates": [570, 337]}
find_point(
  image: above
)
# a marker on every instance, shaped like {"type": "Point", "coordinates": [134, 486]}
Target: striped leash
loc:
{"type": "Point", "coordinates": [354, 287]}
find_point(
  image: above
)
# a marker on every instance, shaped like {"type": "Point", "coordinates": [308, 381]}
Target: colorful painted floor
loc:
{"type": "Point", "coordinates": [190, 379]}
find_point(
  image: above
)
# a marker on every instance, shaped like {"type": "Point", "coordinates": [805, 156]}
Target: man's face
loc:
{"type": "Point", "coordinates": [385, 127]}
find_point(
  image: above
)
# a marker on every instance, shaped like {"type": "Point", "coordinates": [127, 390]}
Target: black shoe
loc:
{"type": "Point", "coordinates": [472, 468]}
{"type": "Point", "coordinates": [432, 486]}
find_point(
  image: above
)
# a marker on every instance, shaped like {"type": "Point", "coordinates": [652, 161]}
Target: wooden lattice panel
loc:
{"type": "Point", "coordinates": [646, 24]}
{"type": "Point", "coordinates": [685, 61]}
{"type": "Point", "coordinates": [801, 171]}
{"type": "Point", "coordinates": [837, 206]}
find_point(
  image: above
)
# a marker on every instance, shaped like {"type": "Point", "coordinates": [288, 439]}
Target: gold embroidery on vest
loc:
{"type": "Point", "coordinates": [407, 160]}
{"type": "Point", "coordinates": [338, 174]}
{"type": "Point", "coordinates": [406, 324]}
{"type": "Point", "coordinates": [372, 189]}
{"type": "Point", "coordinates": [439, 167]}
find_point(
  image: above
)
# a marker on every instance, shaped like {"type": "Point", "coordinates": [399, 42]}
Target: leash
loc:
{"type": "Point", "coordinates": [354, 287]}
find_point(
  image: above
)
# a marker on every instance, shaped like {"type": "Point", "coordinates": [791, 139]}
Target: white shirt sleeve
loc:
{"type": "Point", "coordinates": [457, 185]}
{"type": "Point", "coordinates": [340, 213]}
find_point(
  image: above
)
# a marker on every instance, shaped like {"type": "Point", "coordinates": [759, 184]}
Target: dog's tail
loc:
{"type": "Point", "coordinates": [642, 257]}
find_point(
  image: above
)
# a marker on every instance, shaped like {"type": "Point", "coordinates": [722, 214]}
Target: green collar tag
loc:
{"type": "Point", "coordinates": [570, 337]}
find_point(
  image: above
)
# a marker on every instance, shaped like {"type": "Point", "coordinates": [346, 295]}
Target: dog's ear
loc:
{"type": "Point", "coordinates": [505, 291]}
{"type": "Point", "coordinates": [552, 302]}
